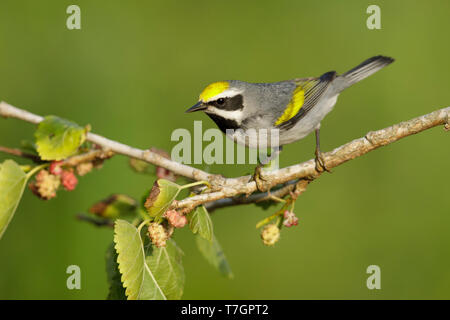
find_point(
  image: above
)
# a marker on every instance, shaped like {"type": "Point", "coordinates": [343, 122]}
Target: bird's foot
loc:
{"type": "Point", "coordinates": [320, 162]}
{"type": "Point", "coordinates": [261, 183]}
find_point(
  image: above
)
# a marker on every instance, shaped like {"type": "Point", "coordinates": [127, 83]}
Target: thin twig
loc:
{"type": "Point", "coordinates": [20, 153]}
{"type": "Point", "coordinates": [254, 198]}
{"type": "Point", "coordinates": [97, 154]}
{"type": "Point", "coordinates": [98, 222]}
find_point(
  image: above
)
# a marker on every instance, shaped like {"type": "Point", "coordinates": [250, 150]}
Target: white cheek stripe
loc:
{"type": "Point", "coordinates": [235, 115]}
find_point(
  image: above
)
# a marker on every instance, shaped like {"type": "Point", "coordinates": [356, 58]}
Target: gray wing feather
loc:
{"type": "Point", "coordinates": [314, 89]}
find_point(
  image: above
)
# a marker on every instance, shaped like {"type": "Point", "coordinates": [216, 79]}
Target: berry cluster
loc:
{"type": "Point", "coordinates": [270, 234]}
{"type": "Point", "coordinates": [159, 233]}
{"type": "Point", "coordinates": [47, 182]}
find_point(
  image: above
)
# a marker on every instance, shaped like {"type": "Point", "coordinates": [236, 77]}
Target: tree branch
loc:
{"type": "Point", "coordinates": [20, 153]}
{"type": "Point", "coordinates": [307, 170]}
{"type": "Point", "coordinates": [296, 177]}
{"type": "Point", "coordinates": [92, 155]}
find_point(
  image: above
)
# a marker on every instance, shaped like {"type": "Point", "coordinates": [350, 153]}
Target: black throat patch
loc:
{"type": "Point", "coordinates": [223, 123]}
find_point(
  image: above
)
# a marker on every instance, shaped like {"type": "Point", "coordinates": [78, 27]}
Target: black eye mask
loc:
{"type": "Point", "coordinates": [229, 104]}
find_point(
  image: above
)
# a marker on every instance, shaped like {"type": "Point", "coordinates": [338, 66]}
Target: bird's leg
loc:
{"type": "Point", "coordinates": [262, 163]}
{"type": "Point", "coordinates": [320, 162]}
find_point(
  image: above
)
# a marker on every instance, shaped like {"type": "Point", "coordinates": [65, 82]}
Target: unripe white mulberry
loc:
{"type": "Point", "coordinates": [45, 185]}
{"type": "Point", "coordinates": [158, 234]}
{"type": "Point", "coordinates": [270, 234]}
{"type": "Point", "coordinates": [84, 168]}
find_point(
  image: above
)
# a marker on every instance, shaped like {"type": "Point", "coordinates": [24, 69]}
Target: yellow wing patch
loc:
{"type": "Point", "coordinates": [213, 89]}
{"type": "Point", "coordinates": [298, 97]}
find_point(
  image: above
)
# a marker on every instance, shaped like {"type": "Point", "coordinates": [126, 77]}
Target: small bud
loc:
{"type": "Point", "coordinates": [175, 218]}
{"type": "Point", "coordinates": [55, 168]}
{"type": "Point", "coordinates": [290, 219]}
{"type": "Point", "coordinates": [138, 165]}
{"type": "Point", "coordinates": [163, 173]}
{"type": "Point", "coordinates": [270, 234]}
{"type": "Point", "coordinates": [158, 234]}
{"type": "Point", "coordinates": [68, 180]}
{"type": "Point", "coordinates": [45, 185]}
{"type": "Point", "coordinates": [98, 163]}
{"type": "Point", "coordinates": [84, 168]}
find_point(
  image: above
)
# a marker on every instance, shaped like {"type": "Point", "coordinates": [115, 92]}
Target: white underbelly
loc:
{"type": "Point", "coordinates": [261, 138]}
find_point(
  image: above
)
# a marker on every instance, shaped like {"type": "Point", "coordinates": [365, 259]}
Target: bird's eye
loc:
{"type": "Point", "coordinates": [220, 101]}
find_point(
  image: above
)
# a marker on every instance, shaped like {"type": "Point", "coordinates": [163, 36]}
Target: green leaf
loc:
{"type": "Point", "coordinates": [137, 278]}
{"type": "Point", "coordinates": [140, 166]}
{"type": "Point", "coordinates": [115, 206]}
{"type": "Point", "coordinates": [28, 146]}
{"type": "Point", "coordinates": [200, 222]}
{"type": "Point", "coordinates": [12, 184]}
{"type": "Point", "coordinates": [167, 267]}
{"type": "Point", "coordinates": [116, 289]}
{"type": "Point", "coordinates": [57, 138]}
{"type": "Point", "coordinates": [213, 253]}
{"type": "Point", "coordinates": [148, 273]}
{"type": "Point", "coordinates": [161, 197]}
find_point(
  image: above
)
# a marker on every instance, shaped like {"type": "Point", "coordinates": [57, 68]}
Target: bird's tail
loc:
{"type": "Point", "coordinates": [362, 71]}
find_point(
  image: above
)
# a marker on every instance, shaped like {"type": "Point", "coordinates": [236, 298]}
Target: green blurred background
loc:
{"type": "Point", "coordinates": [133, 69]}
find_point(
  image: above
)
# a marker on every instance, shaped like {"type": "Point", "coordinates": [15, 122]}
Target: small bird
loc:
{"type": "Point", "coordinates": [294, 107]}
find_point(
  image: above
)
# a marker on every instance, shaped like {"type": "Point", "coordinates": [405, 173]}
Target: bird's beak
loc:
{"type": "Point", "coordinates": [197, 107]}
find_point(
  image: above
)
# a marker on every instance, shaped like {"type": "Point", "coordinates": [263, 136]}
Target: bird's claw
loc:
{"type": "Point", "coordinates": [320, 162]}
{"type": "Point", "coordinates": [259, 180]}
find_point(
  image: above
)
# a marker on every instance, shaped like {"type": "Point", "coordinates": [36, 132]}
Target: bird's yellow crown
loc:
{"type": "Point", "coordinates": [213, 90]}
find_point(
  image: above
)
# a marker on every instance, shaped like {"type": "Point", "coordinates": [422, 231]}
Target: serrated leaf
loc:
{"type": "Point", "coordinates": [213, 253]}
{"type": "Point", "coordinates": [161, 197]}
{"type": "Point", "coordinates": [58, 138]}
{"type": "Point", "coordinates": [137, 278]}
{"type": "Point", "coordinates": [116, 289]}
{"type": "Point", "coordinates": [167, 267]}
{"type": "Point", "coordinates": [200, 222]}
{"type": "Point", "coordinates": [151, 273]}
{"type": "Point", "coordinates": [12, 184]}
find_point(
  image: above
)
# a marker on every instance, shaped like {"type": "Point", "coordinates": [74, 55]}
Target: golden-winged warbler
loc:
{"type": "Point", "coordinates": [294, 107]}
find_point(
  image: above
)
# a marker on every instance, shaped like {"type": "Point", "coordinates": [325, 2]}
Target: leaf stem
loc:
{"type": "Point", "coordinates": [193, 184]}
{"type": "Point", "coordinates": [36, 169]}
{"type": "Point", "coordinates": [143, 223]}
{"type": "Point", "coordinates": [273, 216]}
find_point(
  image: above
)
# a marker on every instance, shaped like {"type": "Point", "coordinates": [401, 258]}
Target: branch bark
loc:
{"type": "Point", "coordinates": [20, 153]}
{"type": "Point", "coordinates": [229, 191]}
